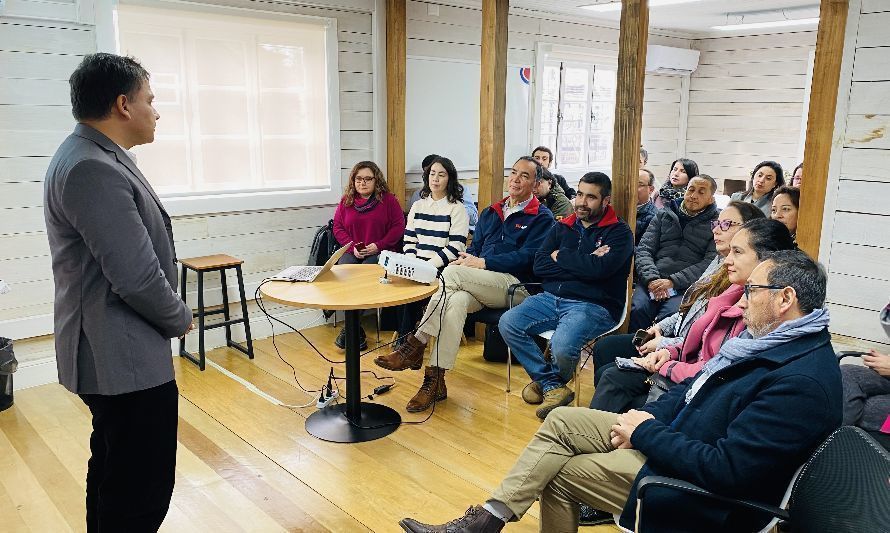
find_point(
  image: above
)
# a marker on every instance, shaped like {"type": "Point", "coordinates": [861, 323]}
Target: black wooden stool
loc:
{"type": "Point", "coordinates": [215, 263]}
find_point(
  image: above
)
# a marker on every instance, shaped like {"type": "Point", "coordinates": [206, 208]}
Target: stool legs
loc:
{"type": "Point", "coordinates": [244, 312]}
{"type": "Point", "coordinates": [182, 284]}
{"type": "Point", "coordinates": [225, 299]}
{"type": "Point", "coordinates": [201, 362]}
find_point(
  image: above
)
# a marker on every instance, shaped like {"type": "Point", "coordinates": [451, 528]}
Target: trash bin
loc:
{"type": "Point", "coordinates": [8, 365]}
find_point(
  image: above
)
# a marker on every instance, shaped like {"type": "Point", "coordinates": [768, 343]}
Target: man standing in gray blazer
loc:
{"type": "Point", "coordinates": [116, 308]}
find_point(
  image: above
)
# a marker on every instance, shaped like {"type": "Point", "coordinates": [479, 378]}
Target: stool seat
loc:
{"type": "Point", "coordinates": [210, 262]}
{"type": "Point", "coordinates": [203, 265]}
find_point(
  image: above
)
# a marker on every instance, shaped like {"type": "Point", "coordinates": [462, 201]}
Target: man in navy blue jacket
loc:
{"type": "Point", "coordinates": [739, 428]}
{"type": "Point", "coordinates": [502, 253]}
{"type": "Point", "coordinates": [583, 264]}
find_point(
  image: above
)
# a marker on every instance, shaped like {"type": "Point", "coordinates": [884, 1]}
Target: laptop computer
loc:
{"type": "Point", "coordinates": [309, 273]}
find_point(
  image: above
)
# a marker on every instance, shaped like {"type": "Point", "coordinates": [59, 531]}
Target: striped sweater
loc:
{"type": "Point", "coordinates": [436, 230]}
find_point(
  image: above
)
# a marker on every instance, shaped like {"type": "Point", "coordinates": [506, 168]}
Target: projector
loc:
{"type": "Point", "coordinates": [407, 266]}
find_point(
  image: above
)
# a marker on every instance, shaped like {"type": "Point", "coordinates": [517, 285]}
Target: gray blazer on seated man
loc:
{"type": "Point", "coordinates": [114, 266]}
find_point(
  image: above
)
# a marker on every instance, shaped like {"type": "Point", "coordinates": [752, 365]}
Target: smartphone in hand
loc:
{"type": "Point", "coordinates": [625, 363]}
{"type": "Point", "coordinates": [359, 246]}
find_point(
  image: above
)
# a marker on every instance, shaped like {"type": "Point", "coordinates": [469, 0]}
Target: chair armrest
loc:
{"type": "Point", "coordinates": [689, 488]}
{"type": "Point", "coordinates": [511, 290]}
{"type": "Point", "coordinates": [848, 353]}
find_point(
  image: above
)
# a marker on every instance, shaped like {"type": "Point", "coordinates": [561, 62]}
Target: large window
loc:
{"type": "Point", "coordinates": [578, 114]}
{"type": "Point", "coordinates": [244, 102]}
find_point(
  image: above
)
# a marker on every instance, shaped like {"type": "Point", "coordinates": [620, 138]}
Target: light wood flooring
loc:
{"type": "Point", "coordinates": [245, 464]}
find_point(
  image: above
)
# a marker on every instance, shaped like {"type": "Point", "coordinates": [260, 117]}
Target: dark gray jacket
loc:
{"type": "Point", "coordinates": [114, 267]}
{"type": "Point", "coordinates": [680, 255]}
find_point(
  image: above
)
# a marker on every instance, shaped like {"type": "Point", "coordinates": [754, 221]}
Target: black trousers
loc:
{"type": "Point", "coordinates": [617, 390]}
{"type": "Point", "coordinates": [131, 470]}
{"type": "Point", "coordinates": [644, 312]}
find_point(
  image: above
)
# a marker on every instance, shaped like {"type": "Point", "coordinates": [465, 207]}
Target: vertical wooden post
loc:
{"type": "Point", "coordinates": [396, 39]}
{"type": "Point", "coordinates": [820, 123]}
{"type": "Point", "coordinates": [632, 42]}
{"type": "Point", "coordinates": [492, 101]}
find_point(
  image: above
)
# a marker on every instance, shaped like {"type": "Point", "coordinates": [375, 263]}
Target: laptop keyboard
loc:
{"type": "Point", "coordinates": [300, 273]}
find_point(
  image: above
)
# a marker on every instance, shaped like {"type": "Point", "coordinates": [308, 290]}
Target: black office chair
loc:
{"type": "Point", "coordinates": [843, 487]}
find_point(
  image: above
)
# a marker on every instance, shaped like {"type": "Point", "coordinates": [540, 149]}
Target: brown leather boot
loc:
{"type": "Point", "coordinates": [432, 390]}
{"type": "Point", "coordinates": [475, 520]}
{"type": "Point", "coordinates": [408, 355]}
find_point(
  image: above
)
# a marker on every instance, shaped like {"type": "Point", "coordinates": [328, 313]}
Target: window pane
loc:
{"type": "Point", "coordinates": [548, 117]}
{"type": "Point", "coordinates": [550, 89]}
{"type": "Point", "coordinates": [576, 85]}
{"type": "Point", "coordinates": [574, 117]}
{"type": "Point", "coordinates": [243, 101]}
{"type": "Point", "coordinates": [571, 149]}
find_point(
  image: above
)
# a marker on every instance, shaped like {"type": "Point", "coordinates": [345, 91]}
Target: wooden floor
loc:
{"type": "Point", "coordinates": [245, 464]}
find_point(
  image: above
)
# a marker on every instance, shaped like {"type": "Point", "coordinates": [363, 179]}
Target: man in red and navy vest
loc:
{"type": "Point", "coordinates": [502, 253]}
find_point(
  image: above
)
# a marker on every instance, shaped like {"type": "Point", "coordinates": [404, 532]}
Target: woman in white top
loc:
{"type": "Point", "coordinates": [436, 230]}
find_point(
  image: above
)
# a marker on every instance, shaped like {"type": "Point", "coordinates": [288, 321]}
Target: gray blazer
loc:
{"type": "Point", "coordinates": [114, 267]}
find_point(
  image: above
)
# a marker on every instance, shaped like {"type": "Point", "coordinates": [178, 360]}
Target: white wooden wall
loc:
{"type": "Point", "coordinates": [856, 240]}
{"type": "Point", "coordinates": [38, 51]}
{"type": "Point", "coordinates": [455, 33]}
{"type": "Point", "coordinates": [746, 102]}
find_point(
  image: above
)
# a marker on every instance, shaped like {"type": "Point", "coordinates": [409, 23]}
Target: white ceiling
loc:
{"type": "Point", "coordinates": [695, 18]}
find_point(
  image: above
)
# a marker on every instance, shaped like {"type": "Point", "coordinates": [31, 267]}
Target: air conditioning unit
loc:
{"type": "Point", "coordinates": [670, 60]}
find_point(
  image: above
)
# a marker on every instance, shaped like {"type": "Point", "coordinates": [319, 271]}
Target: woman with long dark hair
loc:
{"type": "Point", "coordinates": [765, 179]}
{"type": "Point", "coordinates": [682, 170]}
{"type": "Point", "coordinates": [436, 230]}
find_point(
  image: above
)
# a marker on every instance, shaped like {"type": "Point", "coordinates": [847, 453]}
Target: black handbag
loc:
{"type": "Point", "coordinates": [8, 364]}
{"type": "Point", "coordinates": [658, 385]}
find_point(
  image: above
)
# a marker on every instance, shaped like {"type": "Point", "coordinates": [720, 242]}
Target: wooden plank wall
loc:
{"type": "Point", "coordinates": [36, 58]}
{"type": "Point", "coordinates": [859, 255]}
{"type": "Point", "coordinates": [746, 101]}
{"type": "Point", "coordinates": [455, 33]}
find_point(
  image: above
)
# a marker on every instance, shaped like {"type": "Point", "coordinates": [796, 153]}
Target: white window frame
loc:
{"type": "Point", "coordinates": [245, 200]}
{"type": "Point", "coordinates": [549, 53]}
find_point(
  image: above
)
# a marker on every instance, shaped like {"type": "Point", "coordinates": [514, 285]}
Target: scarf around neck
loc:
{"type": "Point", "coordinates": [670, 193]}
{"type": "Point", "coordinates": [745, 345]}
{"type": "Point", "coordinates": [371, 203]}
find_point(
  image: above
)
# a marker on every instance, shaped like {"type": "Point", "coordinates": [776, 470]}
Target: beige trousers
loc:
{"type": "Point", "coordinates": [569, 460]}
{"type": "Point", "coordinates": [467, 290]}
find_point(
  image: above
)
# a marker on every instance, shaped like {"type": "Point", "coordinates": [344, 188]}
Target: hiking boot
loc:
{"type": "Point", "coordinates": [554, 398]}
{"type": "Point", "coordinates": [408, 355]}
{"type": "Point", "coordinates": [340, 341]}
{"type": "Point", "coordinates": [532, 393]}
{"type": "Point", "coordinates": [432, 390]}
{"type": "Point", "coordinates": [594, 517]}
{"type": "Point", "coordinates": [476, 520]}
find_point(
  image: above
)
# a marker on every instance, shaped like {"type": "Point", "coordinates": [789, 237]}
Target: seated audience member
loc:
{"type": "Point", "coordinates": [370, 217]}
{"type": "Point", "coordinates": [673, 253]}
{"type": "Point", "coordinates": [551, 195]}
{"type": "Point", "coordinates": [797, 176]}
{"type": "Point", "coordinates": [644, 158]}
{"type": "Point", "coordinates": [502, 253]}
{"type": "Point", "coordinates": [765, 179]}
{"type": "Point", "coordinates": [867, 393]}
{"type": "Point", "coordinates": [619, 390]}
{"type": "Point", "coordinates": [468, 201]}
{"type": "Point", "coordinates": [673, 329]}
{"type": "Point", "coordinates": [739, 428]}
{"type": "Point", "coordinates": [682, 170]}
{"type": "Point", "coordinates": [543, 155]}
{"type": "Point", "coordinates": [645, 207]}
{"type": "Point", "coordinates": [583, 264]}
{"type": "Point", "coordinates": [436, 230]}
{"type": "Point", "coordinates": [786, 202]}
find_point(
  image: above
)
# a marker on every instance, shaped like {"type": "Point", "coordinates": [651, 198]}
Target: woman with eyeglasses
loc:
{"type": "Point", "coordinates": [673, 328]}
{"type": "Point", "coordinates": [619, 390]}
{"type": "Point", "coordinates": [370, 217]}
{"type": "Point", "coordinates": [765, 179]}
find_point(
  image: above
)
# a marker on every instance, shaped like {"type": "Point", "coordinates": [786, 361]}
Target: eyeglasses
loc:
{"type": "Point", "coordinates": [723, 224]}
{"type": "Point", "coordinates": [750, 286]}
{"type": "Point", "coordinates": [364, 180]}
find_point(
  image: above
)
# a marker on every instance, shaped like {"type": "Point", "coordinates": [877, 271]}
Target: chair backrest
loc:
{"type": "Point", "coordinates": [845, 486]}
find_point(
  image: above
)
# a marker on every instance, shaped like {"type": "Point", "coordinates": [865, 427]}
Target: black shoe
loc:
{"type": "Point", "coordinates": [340, 341]}
{"type": "Point", "coordinates": [594, 517]}
{"type": "Point", "coordinates": [475, 520]}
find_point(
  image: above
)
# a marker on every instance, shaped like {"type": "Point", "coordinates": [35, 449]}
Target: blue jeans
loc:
{"type": "Point", "coordinates": [576, 323]}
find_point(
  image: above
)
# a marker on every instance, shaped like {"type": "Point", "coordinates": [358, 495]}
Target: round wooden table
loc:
{"type": "Point", "coordinates": [351, 288]}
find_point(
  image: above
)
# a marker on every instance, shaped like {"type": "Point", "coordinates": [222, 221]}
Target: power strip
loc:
{"type": "Point", "coordinates": [324, 401]}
